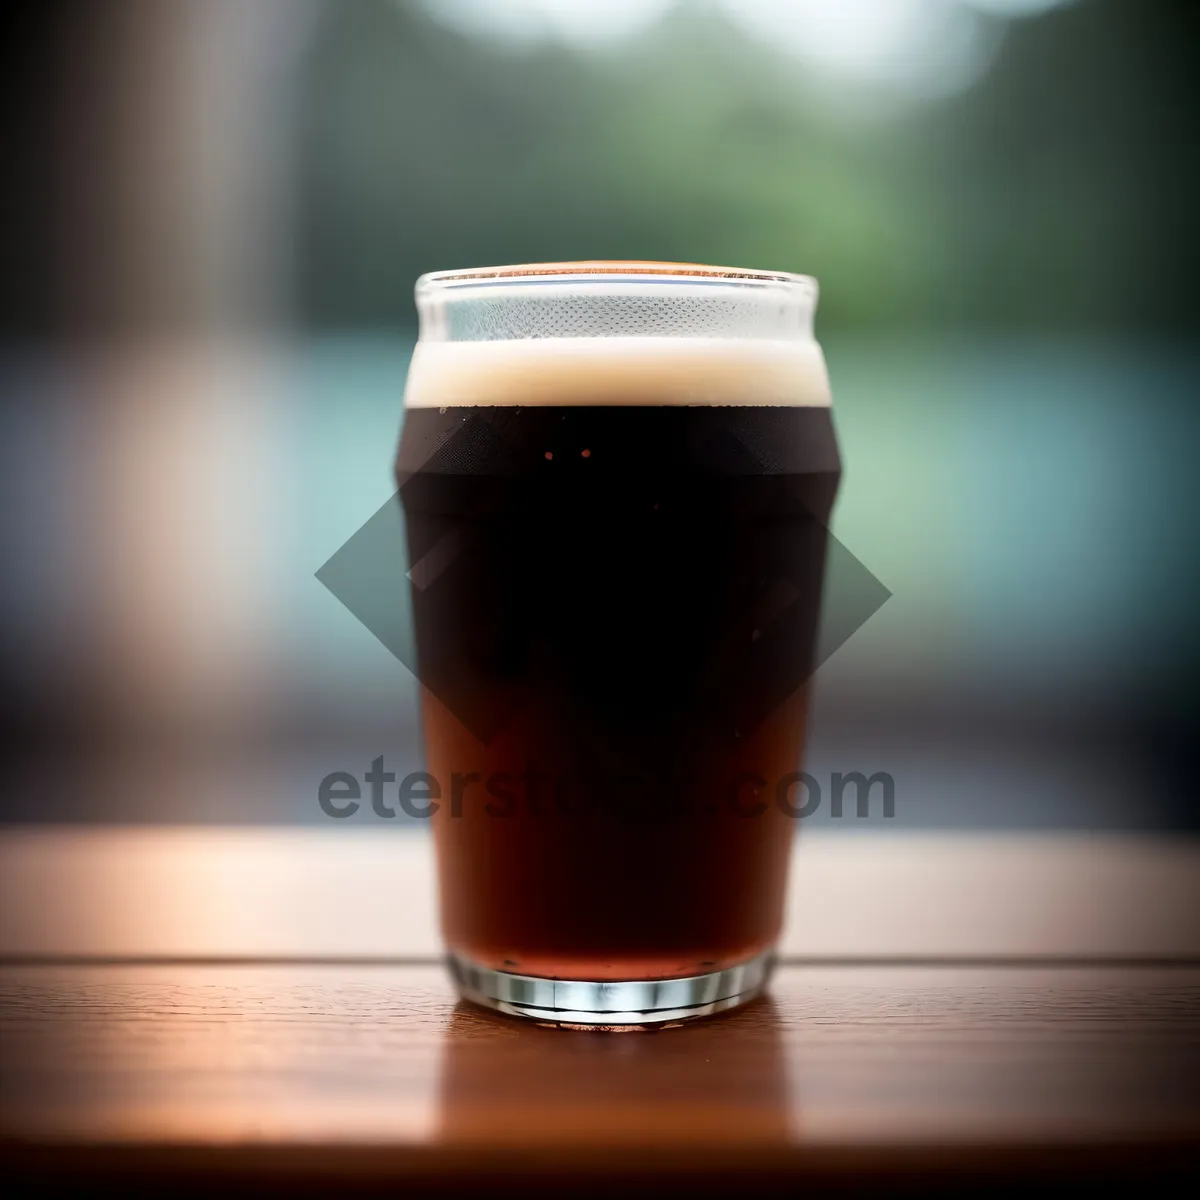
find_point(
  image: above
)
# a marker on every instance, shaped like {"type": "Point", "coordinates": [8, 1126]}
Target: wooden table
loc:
{"type": "Point", "coordinates": [287, 1055]}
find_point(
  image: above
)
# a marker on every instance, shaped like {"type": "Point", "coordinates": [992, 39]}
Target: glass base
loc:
{"type": "Point", "coordinates": [612, 1004]}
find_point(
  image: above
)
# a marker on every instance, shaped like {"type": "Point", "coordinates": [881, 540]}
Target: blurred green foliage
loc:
{"type": "Point", "coordinates": [1059, 193]}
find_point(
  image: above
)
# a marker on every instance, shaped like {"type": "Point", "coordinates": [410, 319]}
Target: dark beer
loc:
{"type": "Point", "coordinates": [617, 542]}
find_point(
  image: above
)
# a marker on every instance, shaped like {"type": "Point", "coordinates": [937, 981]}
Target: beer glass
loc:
{"type": "Point", "coordinates": [616, 479]}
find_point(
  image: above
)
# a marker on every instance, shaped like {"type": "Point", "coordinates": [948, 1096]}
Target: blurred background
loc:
{"type": "Point", "coordinates": [212, 218]}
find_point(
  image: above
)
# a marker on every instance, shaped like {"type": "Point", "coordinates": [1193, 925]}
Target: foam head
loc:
{"type": "Point", "coordinates": [616, 333]}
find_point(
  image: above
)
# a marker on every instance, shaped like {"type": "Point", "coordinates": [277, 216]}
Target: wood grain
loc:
{"type": "Point", "coordinates": [249, 1072]}
{"type": "Point", "coordinates": [300, 1034]}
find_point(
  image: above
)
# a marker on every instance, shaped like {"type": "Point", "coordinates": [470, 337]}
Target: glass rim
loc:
{"type": "Point", "coordinates": [609, 271]}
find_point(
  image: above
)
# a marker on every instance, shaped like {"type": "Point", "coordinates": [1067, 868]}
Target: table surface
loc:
{"type": "Point", "coordinates": [242, 1066]}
